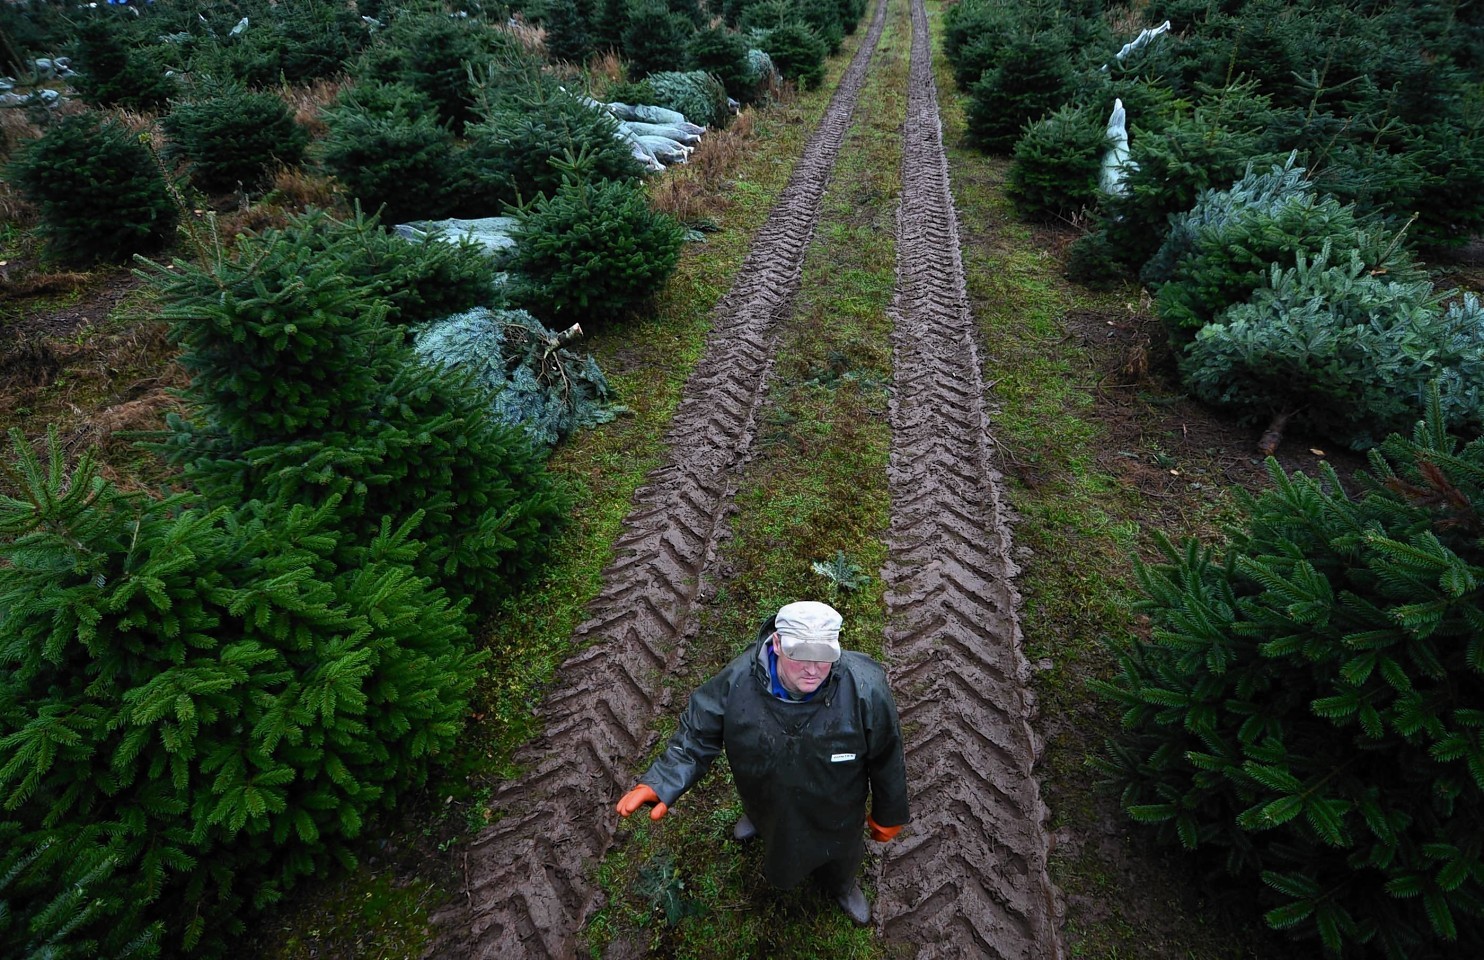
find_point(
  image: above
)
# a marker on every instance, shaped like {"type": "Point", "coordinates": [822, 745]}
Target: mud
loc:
{"type": "Point", "coordinates": [528, 876]}
{"type": "Point", "coordinates": [968, 877]}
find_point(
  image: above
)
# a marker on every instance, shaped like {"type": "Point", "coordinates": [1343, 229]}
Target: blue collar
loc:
{"type": "Point", "coordinates": [776, 687]}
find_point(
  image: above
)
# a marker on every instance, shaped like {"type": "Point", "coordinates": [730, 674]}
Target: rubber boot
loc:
{"type": "Point", "coordinates": [854, 903]}
{"type": "Point", "coordinates": [744, 829]}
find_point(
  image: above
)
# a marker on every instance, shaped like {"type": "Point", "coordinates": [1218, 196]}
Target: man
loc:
{"type": "Point", "coordinates": [809, 731]}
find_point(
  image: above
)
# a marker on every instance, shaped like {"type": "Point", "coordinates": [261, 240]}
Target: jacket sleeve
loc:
{"type": "Point", "coordinates": [695, 744]}
{"type": "Point", "coordinates": [885, 764]}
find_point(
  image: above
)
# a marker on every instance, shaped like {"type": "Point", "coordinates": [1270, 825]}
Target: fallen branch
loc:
{"type": "Point", "coordinates": [1267, 445]}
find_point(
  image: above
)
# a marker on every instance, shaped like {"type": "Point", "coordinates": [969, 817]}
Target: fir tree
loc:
{"type": "Point", "coordinates": [201, 705]}
{"type": "Point", "coordinates": [1311, 699]}
{"type": "Point", "coordinates": [101, 193]}
{"type": "Point", "coordinates": [303, 394]}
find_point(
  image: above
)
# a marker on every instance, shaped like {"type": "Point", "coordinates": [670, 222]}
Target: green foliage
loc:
{"type": "Point", "coordinates": [763, 15]}
{"type": "Point", "coordinates": [202, 705]}
{"type": "Point", "coordinates": [231, 136]}
{"type": "Point", "coordinates": [533, 381]}
{"type": "Point", "coordinates": [440, 56]}
{"type": "Point", "coordinates": [113, 73]}
{"type": "Point", "coordinates": [823, 17]}
{"type": "Point", "coordinates": [513, 156]}
{"type": "Point", "coordinates": [1093, 261]}
{"type": "Point", "coordinates": [1057, 162]}
{"type": "Point", "coordinates": [1030, 77]}
{"type": "Point", "coordinates": [101, 193]}
{"type": "Point", "coordinates": [379, 98]}
{"type": "Point", "coordinates": [609, 19]}
{"type": "Point", "coordinates": [655, 39]}
{"type": "Point", "coordinates": [1348, 351]}
{"type": "Point", "coordinates": [1216, 254]}
{"type": "Point", "coordinates": [283, 43]}
{"type": "Point", "coordinates": [696, 94]}
{"type": "Point", "coordinates": [1207, 149]}
{"type": "Point", "coordinates": [1311, 702]}
{"type": "Point", "coordinates": [416, 282]}
{"type": "Point", "coordinates": [973, 37]}
{"type": "Point", "coordinates": [59, 900]}
{"type": "Point", "coordinates": [593, 251]}
{"type": "Point", "coordinates": [567, 35]}
{"type": "Point", "coordinates": [841, 572]}
{"type": "Point", "coordinates": [401, 163]}
{"type": "Point", "coordinates": [797, 53]}
{"type": "Point", "coordinates": [723, 54]}
{"type": "Point", "coordinates": [302, 393]}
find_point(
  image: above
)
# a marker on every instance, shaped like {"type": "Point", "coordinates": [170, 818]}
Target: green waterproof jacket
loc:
{"type": "Point", "coordinates": [803, 769]}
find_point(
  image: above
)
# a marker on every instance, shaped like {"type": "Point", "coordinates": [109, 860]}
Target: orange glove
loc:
{"type": "Point", "coordinates": [879, 833]}
{"type": "Point", "coordinates": [637, 798]}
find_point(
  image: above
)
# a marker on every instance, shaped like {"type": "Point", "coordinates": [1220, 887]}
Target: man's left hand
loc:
{"type": "Point", "coordinates": [879, 833]}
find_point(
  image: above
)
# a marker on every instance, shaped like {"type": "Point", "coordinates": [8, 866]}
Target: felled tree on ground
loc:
{"type": "Point", "coordinates": [533, 380]}
{"type": "Point", "coordinates": [199, 705]}
{"type": "Point", "coordinates": [1310, 701]}
{"type": "Point", "coordinates": [1223, 249]}
{"type": "Point", "coordinates": [1343, 351]}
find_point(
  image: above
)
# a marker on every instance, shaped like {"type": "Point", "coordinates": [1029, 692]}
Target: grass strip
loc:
{"type": "Point", "coordinates": [815, 490]}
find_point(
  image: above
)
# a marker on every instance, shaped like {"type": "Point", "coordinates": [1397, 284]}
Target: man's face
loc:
{"type": "Point", "coordinates": [800, 677]}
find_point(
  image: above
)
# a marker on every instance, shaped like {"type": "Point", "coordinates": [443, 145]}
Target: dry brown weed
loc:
{"type": "Point", "coordinates": [298, 189]}
{"type": "Point", "coordinates": [532, 37]}
{"type": "Point", "coordinates": [606, 67]}
{"type": "Point", "coordinates": [308, 102]}
{"type": "Point", "coordinates": [16, 128]}
{"type": "Point", "coordinates": [14, 209]}
{"type": "Point", "coordinates": [698, 189]}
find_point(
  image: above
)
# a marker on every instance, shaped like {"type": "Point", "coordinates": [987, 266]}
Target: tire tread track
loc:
{"type": "Point", "coordinates": [969, 878]}
{"type": "Point", "coordinates": [527, 877]}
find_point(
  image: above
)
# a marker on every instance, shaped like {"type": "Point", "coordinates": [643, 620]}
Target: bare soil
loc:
{"type": "Point", "coordinates": [968, 877]}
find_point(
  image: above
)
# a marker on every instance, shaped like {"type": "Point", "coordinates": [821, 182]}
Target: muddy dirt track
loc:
{"type": "Point", "coordinates": [968, 877]}
{"type": "Point", "coordinates": [528, 876]}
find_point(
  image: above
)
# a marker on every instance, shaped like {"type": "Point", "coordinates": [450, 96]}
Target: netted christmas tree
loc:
{"type": "Point", "coordinates": [199, 705]}
{"type": "Point", "coordinates": [1310, 701]}
{"type": "Point", "coordinates": [698, 95]}
{"type": "Point", "coordinates": [533, 380]}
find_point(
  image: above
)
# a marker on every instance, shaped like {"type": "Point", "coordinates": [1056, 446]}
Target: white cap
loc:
{"type": "Point", "coordinates": [809, 630]}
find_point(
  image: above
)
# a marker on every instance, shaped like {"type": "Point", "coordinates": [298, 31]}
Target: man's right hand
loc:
{"type": "Point", "coordinates": [637, 798]}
